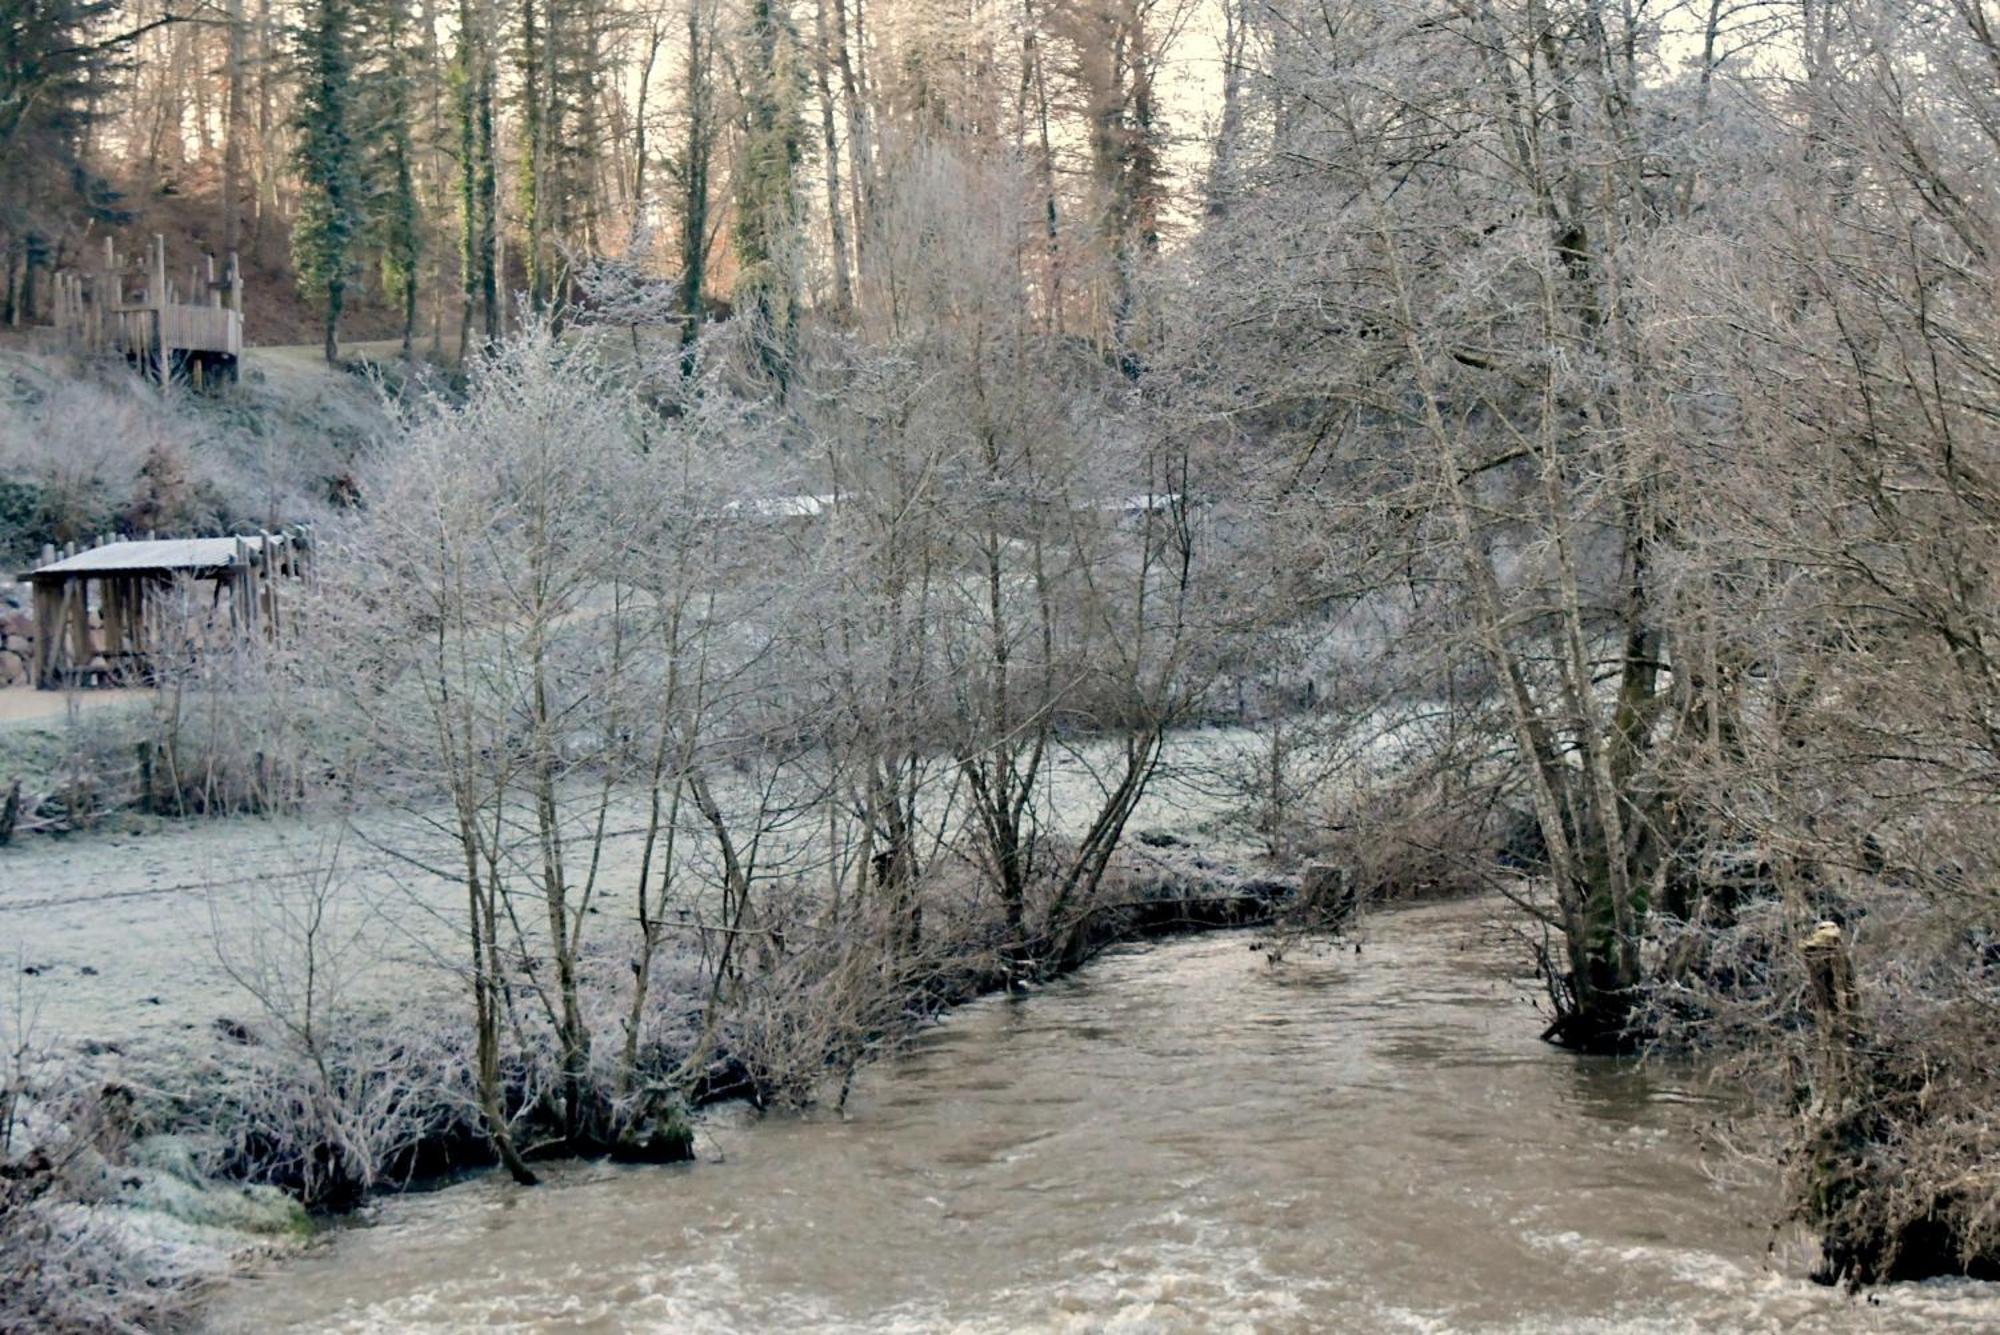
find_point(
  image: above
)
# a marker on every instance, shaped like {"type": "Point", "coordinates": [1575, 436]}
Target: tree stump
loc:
{"type": "Point", "coordinates": [1831, 975]}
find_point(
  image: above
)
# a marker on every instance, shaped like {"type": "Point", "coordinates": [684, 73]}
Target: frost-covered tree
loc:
{"type": "Point", "coordinates": [1458, 354]}
{"type": "Point", "coordinates": [1012, 558]}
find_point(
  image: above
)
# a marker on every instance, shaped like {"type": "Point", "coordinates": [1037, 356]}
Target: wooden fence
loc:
{"type": "Point", "coordinates": [166, 329]}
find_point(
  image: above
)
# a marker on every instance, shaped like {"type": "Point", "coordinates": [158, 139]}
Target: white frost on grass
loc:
{"type": "Point", "coordinates": [138, 944]}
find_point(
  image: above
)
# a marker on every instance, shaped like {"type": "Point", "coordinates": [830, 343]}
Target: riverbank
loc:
{"type": "Point", "coordinates": [140, 1157]}
{"type": "Point", "coordinates": [1180, 1137]}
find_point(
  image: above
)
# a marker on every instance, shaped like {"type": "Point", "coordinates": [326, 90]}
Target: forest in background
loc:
{"type": "Point", "coordinates": [412, 167]}
{"type": "Point", "coordinates": [1575, 419]}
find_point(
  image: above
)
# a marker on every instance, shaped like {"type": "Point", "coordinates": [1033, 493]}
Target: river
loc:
{"type": "Point", "coordinates": [1183, 1137]}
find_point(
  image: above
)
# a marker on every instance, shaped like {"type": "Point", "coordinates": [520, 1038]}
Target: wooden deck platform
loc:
{"type": "Point", "coordinates": [192, 333]}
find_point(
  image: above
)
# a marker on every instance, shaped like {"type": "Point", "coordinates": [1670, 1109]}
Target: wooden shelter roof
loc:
{"type": "Point", "coordinates": [154, 556]}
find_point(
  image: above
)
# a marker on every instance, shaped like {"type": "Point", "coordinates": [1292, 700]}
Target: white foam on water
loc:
{"type": "Point", "coordinates": [1020, 1173]}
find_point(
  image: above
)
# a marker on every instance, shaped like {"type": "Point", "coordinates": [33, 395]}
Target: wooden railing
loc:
{"type": "Point", "coordinates": [93, 310]}
{"type": "Point", "coordinates": [144, 330]}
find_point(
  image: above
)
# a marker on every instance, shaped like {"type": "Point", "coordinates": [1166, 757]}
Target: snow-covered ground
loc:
{"type": "Point", "coordinates": [122, 939]}
{"type": "Point", "coordinates": [140, 942]}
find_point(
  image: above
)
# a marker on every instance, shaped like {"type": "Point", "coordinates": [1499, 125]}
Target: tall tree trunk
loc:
{"type": "Point", "coordinates": [636, 191]}
{"type": "Point", "coordinates": [699, 83]}
{"type": "Point", "coordinates": [860, 167]}
{"type": "Point", "coordinates": [535, 148]}
{"type": "Point", "coordinates": [466, 77]}
{"type": "Point", "coordinates": [267, 128]}
{"type": "Point", "coordinates": [232, 143]}
{"type": "Point", "coordinates": [1229, 132]}
{"type": "Point", "coordinates": [488, 189]}
{"type": "Point", "coordinates": [843, 292]}
{"type": "Point", "coordinates": [1045, 166]}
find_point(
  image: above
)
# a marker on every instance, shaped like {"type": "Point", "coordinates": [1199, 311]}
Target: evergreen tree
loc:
{"type": "Point", "coordinates": [577, 58]}
{"type": "Point", "coordinates": [394, 221]}
{"type": "Point", "coordinates": [532, 59]}
{"type": "Point", "coordinates": [52, 77]}
{"type": "Point", "coordinates": [558, 55]}
{"type": "Point", "coordinates": [478, 178]}
{"type": "Point", "coordinates": [465, 77]}
{"type": "Point", "coordinates": [690, 171]}
{"type": "Point", "coordinates": [330, 193]}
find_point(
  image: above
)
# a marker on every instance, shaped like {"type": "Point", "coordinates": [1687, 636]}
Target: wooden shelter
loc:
{"type": "Point", "coordinates": [103, 615]}
{"type": "Point", "coordinates": [192, 333]}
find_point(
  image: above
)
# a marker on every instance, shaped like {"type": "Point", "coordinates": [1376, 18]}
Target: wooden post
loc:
{"type": "Point", "coordinates": [85, 647]}
{"type": "Point", "coordinates": [245, 581]}
{"type": "Point", "coordinates": [107, 626]}
{"type": "Point", "coordinates": [267, 553]}
{"type": "Point", "coordinates": [72, 631]}
{"type": "Point", "coordinates": [48, 633]}
{"type": "Point", "coordinates": [136, 614]}
{"type": "Point", "coordinates": [1831, 974]}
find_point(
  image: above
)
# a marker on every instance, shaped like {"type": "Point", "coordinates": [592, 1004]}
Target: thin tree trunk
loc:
{"type": "Point", "coordinates": [860, 174]}
{"type": "Point", "coordinates": [232, 143]}
{"type": "Point", "coordinates": [843, 291]}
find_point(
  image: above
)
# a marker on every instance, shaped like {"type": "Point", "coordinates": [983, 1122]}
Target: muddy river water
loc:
{"type": "Point", "coordinates": [1183, 1137]}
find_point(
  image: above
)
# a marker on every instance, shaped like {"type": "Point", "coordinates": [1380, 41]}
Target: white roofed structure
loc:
{"type": "Point", "coordinates": [199, 557]}
{"type": "Point", "coordinates": [115, 632]}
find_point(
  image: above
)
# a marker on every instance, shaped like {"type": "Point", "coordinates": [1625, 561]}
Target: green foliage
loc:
{"type": "Point", "coordinates": [327, 160]}
{"type": "Point", "coordinates": [392, 218]}
{"type": "Point", "coordinates": [52, 80]}
{"type": "Point", "coordinates": [767, 186]}
{"type": "Point", "coordinates": [20, 516]}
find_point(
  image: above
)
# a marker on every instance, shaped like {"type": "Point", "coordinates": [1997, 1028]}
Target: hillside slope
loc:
{"type": "Point", "coordinates": [88, 448]}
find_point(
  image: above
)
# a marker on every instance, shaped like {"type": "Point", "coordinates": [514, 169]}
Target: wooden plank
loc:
{"type": "Point", "coordinates": [62, 646]}
{"type": "Point", "coordinates": [110, 631]}
{"type": "Point", "coordinates": [244, 578]}
{"type": "Point", "coordinates": [187, 328]}
{"type": "Point", "coordinates": [138, 613]}
{"type": "Point", "coordinates": [48, 629]}
{"type": "Point", "coordinates": [158, 321]}
{"type": "Point", "coordinates": [79, 626]}
{"type": "Point", "coordinates": [267, 551]}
